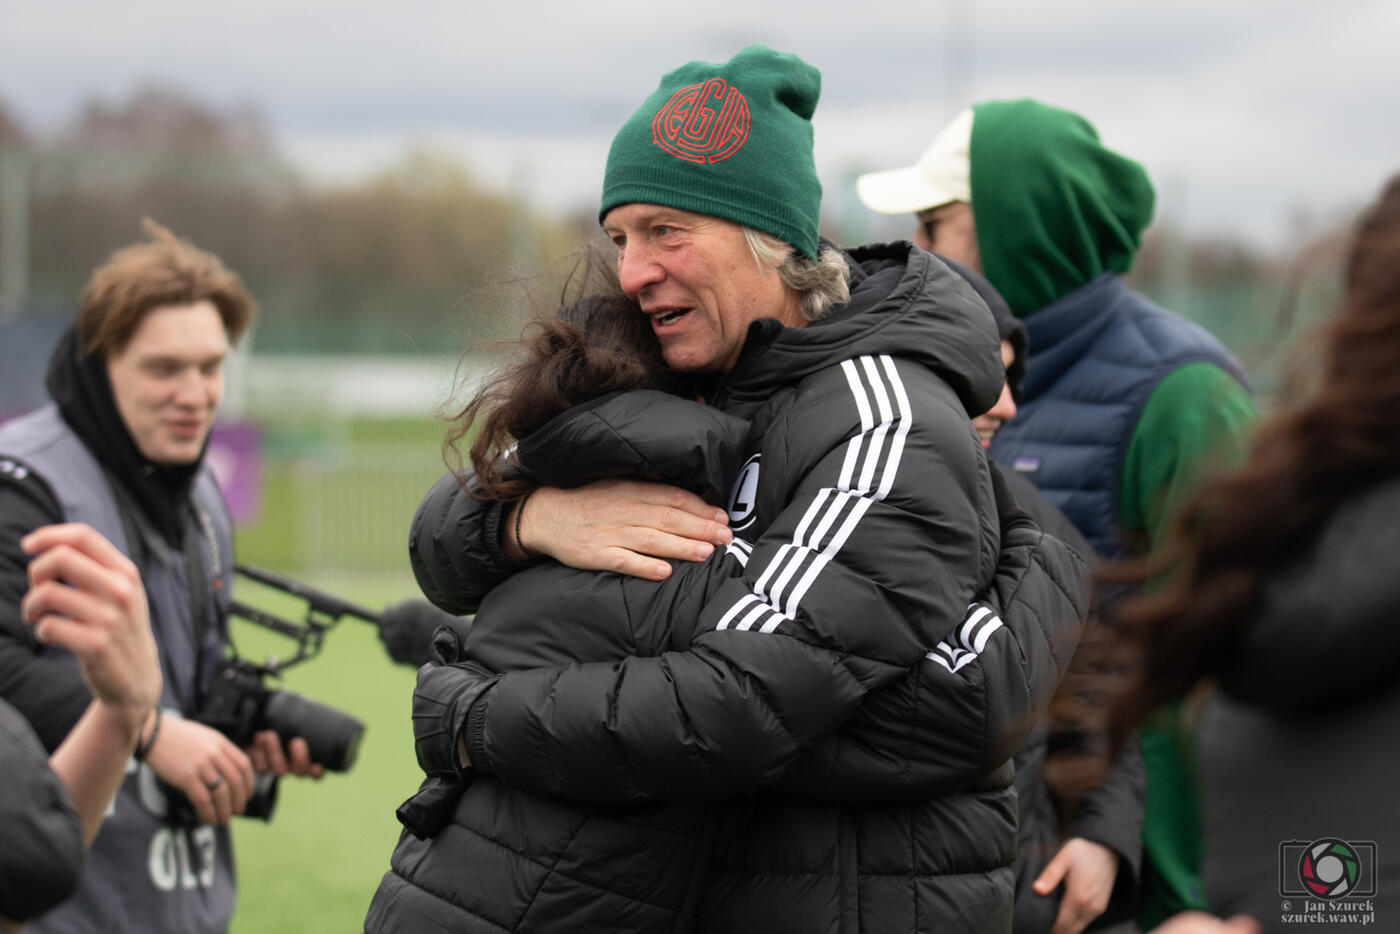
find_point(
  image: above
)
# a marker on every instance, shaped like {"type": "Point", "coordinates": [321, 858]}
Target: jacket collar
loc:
{"type": "Point", "coordinates": [904, 303]}
{"type": "Point", "coordinates": [1063, 331]}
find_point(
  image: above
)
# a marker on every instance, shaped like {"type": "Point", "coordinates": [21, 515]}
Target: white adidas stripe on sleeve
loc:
{"type": "Point", "coordinates": [868, 470]}
{"type": "Point", "coordinates": [968, 640]}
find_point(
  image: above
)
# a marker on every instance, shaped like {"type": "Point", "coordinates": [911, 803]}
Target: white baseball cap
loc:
{"type": "Point", "coordinates": [942, 174]}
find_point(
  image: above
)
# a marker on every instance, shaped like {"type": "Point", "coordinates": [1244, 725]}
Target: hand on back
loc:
{"type": "Point", "coordinates": [626, 526]}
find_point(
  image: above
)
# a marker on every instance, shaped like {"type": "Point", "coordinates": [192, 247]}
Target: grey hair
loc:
{"type": "Point", "coordinates": [820, 284]}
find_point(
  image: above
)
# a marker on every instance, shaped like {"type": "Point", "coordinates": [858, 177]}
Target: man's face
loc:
{"type": "Point", "coordinates": [698, 281]}
{"type": "Point", "coordinates": [948, 230]}
{"type": "Point", "coordinates": [168, 380]}
{"type": "Point", "coordinates": [990, 422]}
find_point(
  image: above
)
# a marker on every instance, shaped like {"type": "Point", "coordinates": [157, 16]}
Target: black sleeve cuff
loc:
{"type": "Point", "coordinates": [474, 734]}
{"type": "Point", "coordinates": [441, 702]}
{"type": "Point", "coordinates": [494, 519]}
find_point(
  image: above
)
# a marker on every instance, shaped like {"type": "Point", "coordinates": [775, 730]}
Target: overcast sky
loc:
{"type": "Point", "coordinates": [1246, 112]}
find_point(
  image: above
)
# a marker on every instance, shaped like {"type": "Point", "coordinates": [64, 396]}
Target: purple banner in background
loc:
{"type": "Point", "coordinates": [235, 456]}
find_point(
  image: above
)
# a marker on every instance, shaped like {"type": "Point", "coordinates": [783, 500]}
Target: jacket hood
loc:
{"type": "Point", "coordinates": [1054, 207]}
{"type": "Point", "coordinates": [1009, 328]}
{"type": "Point", "coordinates": [1325, 630]}
{"type": "Point", "coordinates": [905, 303]}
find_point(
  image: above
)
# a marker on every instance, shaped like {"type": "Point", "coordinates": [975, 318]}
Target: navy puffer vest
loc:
{"type": "Point", "coordinates": [1096, 355]}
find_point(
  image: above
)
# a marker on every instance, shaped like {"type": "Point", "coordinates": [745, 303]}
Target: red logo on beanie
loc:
{"type": "Point", "coordinates": [704, 123]}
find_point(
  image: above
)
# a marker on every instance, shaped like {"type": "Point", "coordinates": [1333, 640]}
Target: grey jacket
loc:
{"type": "Point", "coordinates": [145, 874]}
{"type": "Point", "coordinates": [1295, 752]}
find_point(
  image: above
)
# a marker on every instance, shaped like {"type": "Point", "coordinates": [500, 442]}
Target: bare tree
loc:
{"type": "Point", "coordinates": [12, 134]}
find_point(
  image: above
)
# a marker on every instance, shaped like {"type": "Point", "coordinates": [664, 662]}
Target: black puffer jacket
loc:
{"type": "Point", "coordinates": [1295, 751]}
{"type": "Point", "coordinates": [874, 527]}
{"type": "Point", "coordinates": [1109, 813]}
{"type": "Point", "coordinates": [42, 858]}
{"type": "Point", "coordinates": [509, 859]}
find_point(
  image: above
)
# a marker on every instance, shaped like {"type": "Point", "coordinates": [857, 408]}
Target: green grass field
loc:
{"type": "Point", "coordinates": [314, 867]}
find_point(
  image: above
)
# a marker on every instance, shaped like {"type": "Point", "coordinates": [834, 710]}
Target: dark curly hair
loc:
{"type": "Point", "coordinates": [596, 342]}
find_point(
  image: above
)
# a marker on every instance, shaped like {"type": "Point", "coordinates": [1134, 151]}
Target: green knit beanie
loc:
{"type": "Point", "coordinates": [732, 141]}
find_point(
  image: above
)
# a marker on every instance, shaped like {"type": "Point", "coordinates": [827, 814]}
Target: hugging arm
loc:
{"type": "Point", "coordinates": [881, 534]}
{"type": "Point", "coordinates": [462, 547]}
{"type": "Point", "coordinates": [963, 709]}
{"type": "Point", "coordinates": [626, 520]}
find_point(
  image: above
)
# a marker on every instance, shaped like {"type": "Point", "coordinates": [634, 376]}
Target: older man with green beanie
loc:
{"type": "Point", "coordinates": [875, 587]}
{"type": "Point", "coordinates": [1123, 401]}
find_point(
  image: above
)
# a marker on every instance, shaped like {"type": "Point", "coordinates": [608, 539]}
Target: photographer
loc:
{"type": "Point", "coordinates": [135, 385]}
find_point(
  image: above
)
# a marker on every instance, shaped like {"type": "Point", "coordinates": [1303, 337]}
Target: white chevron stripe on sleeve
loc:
{"type": "Point", "coordinates": [992, 626]}
{"type": "Point", "coordinates": [834, 503]}
{"type": "Point", "coordinates": [901, 433]}
{"type": "Point", "coordinates": [867, 417]}
{"type": "Point", "coordinates": [776, 576]}
{"type": "Point", "coordinates": [803, 585]}
{"type": "Point", "coordinates": [975, 615]}
{"type": "Point", "coordinates": [760, 612]}
{"type": "Point", "coordinates": [968, 640]}
{"type": "Point", "coordinates": [741, 550]}
{"type": "Point", "coordinates": [739, 606]}
{"type": "Point", "coordinates": [816, 509]}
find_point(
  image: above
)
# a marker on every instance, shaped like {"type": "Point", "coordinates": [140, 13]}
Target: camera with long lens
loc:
{"type": "Point", "coordinates": [240, 704]}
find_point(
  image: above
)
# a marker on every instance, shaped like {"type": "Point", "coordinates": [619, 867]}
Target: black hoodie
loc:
{"type": "Point", "coordinates": [83, 394]}
{"type": "Point", "coordinates": [80, 387]}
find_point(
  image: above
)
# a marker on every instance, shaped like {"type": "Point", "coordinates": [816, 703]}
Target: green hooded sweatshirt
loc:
{"type": "Point", "coordinates": [1053, 207]}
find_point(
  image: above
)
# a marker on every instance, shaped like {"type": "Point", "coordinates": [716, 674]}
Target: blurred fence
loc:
{"type": "Point", "coordinates": [336, 495]}
{"type": "Point", "coordinates": [352, 512]}
{"type": "Point", "coordinates": [349, 446]}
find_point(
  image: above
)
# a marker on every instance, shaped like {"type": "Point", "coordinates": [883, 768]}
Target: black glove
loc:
{"type": "Point", "coordinates": [406, 629]}
{"type": "Point", "coordinates": [444, 697]}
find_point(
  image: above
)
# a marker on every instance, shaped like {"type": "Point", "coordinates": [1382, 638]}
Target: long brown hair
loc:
{"type": "Point", "coordinates": [1305, 462]}
{"type": "Point", "coordinates": [598, 341]}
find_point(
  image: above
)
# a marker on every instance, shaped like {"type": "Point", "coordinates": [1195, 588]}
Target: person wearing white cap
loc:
{"type": "Point", "coordinates": [937, 188]}
{"type": "Point", "coordinates": [1123, 401]}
